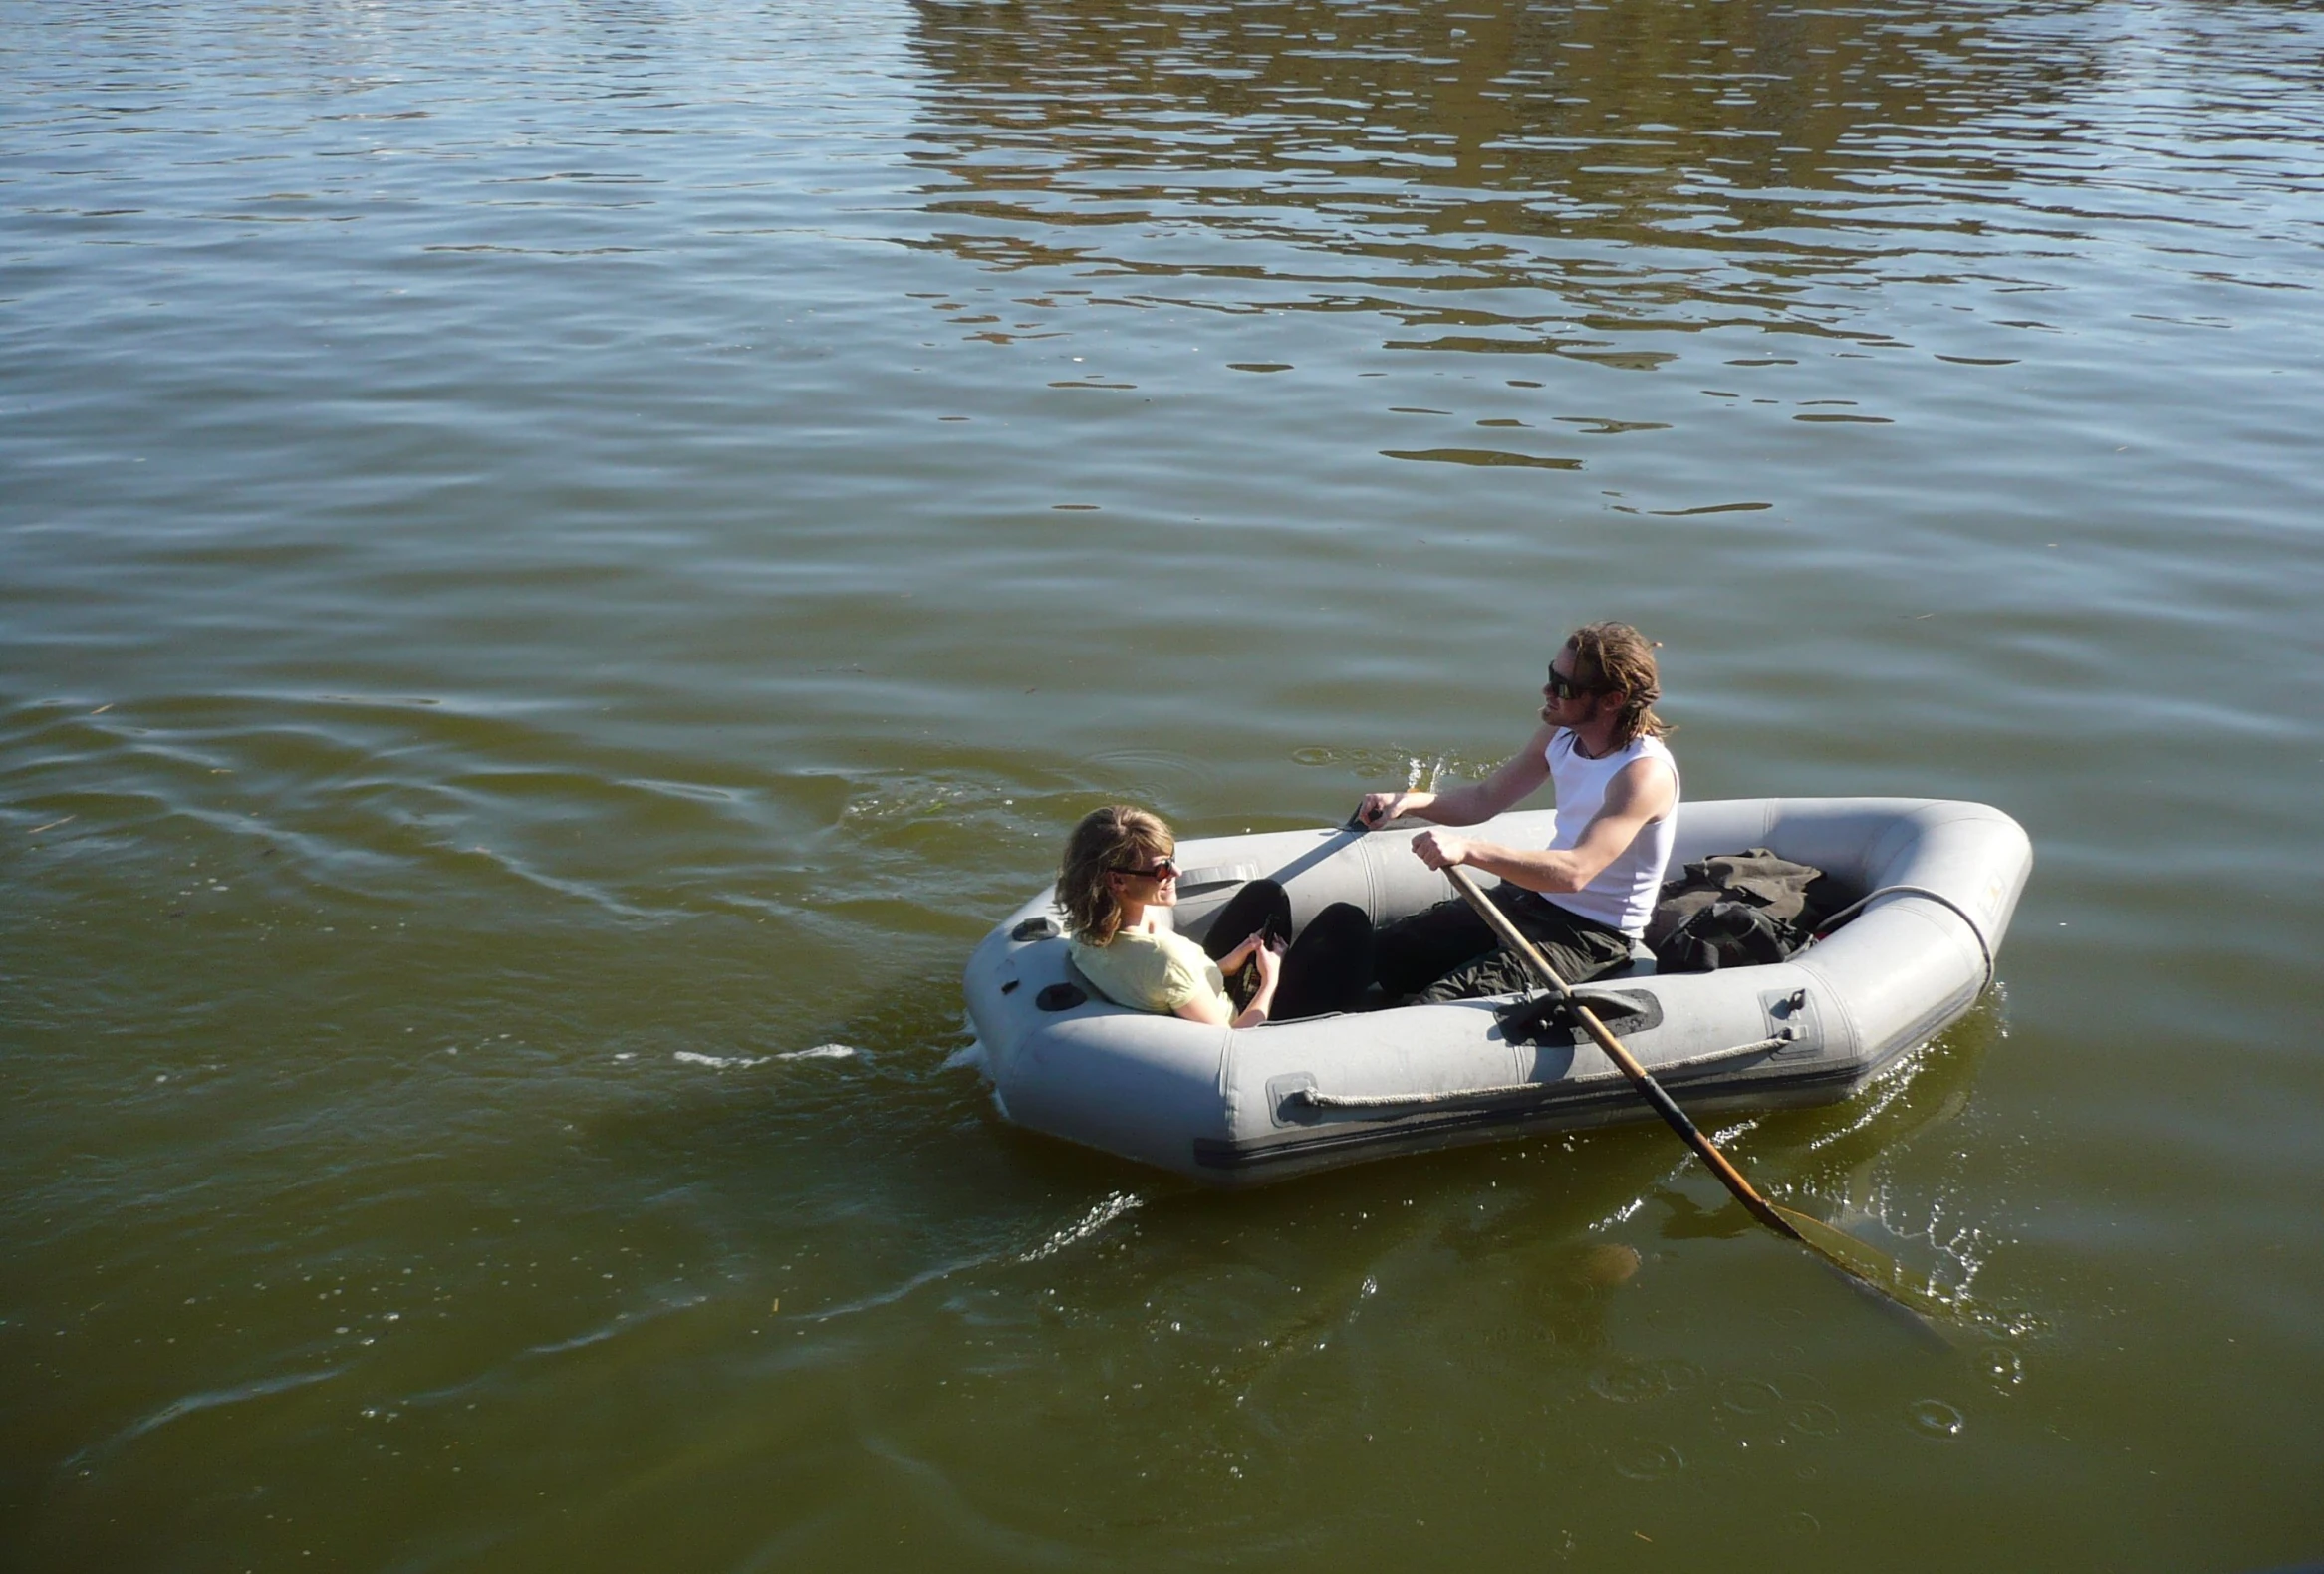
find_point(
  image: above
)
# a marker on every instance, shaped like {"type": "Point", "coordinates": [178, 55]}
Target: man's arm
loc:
{"type": "Point", "coordinates": [1642, 792]}
{"type": "Point", "coordinates": [1518, 777]}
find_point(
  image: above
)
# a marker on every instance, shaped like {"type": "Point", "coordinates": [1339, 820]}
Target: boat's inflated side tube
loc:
{"type": "Point", "coordinates": [1941, 880]}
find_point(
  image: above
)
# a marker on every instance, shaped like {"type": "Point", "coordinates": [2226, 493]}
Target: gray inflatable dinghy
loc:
{"type": "Point", "coordinates": [1939, 881]}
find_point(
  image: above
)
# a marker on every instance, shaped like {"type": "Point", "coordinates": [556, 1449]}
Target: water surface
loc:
{"type": "Point", "coordinates": [558, 567]}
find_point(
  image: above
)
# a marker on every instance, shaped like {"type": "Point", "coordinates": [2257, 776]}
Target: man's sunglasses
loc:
{"type": "Point", "coordinates": [1564, 688]}
{"type": "Point", "coordinates": [1165, 870]}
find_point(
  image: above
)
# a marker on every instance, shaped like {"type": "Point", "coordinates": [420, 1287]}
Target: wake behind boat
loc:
{"type": "Point", "coordinates": [1935, 882]}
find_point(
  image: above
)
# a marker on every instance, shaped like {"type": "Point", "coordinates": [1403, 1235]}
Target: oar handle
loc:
{"type": "Point", "coordinates": [1649, 1089]}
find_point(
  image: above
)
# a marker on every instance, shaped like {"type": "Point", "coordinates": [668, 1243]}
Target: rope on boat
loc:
{"type": "Point", "coordinates": [1984, 949]}
{"type": "Point", "coordinates": [1398, 1101]}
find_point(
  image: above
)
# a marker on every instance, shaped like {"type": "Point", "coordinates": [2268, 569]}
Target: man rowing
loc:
{"type": "Point", "coordinates": [1588, 895]}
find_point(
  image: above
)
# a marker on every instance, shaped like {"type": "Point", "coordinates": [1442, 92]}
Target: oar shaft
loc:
{"type": "Point", "coordinates": [1651, 1091]}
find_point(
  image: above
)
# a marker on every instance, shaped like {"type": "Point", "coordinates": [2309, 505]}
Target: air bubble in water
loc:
{"type": "Point", "coordinates": [1676, 1375]}
{"type": "Point", "coordinates": [1648, 1461]}
{"type": "Point", "coordinates": [1628, 1384]}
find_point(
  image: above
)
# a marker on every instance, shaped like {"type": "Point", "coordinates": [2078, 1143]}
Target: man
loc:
{"type": "Point", "coordinates": [1589, 894]}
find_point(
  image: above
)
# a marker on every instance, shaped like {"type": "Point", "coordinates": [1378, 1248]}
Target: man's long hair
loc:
{"type": "Point", "coordinates": [1106, 838]}
{"type": "Point", "coordinates": [1615, 655]}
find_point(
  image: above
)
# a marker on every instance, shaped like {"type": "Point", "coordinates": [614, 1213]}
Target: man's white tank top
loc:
{"type": "Point", "coordinates": [1622, 896]}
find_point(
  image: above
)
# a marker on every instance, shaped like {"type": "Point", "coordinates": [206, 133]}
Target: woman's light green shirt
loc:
{"type": "Point", "coordinates": [1160, 971]}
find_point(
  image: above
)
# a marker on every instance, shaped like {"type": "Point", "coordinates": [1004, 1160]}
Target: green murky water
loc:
{"type": "Point", "coordinates": [558, 566]}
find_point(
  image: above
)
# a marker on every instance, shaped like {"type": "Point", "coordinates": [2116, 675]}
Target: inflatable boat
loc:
{"type": "Point", "coordinates": [1934, 882]}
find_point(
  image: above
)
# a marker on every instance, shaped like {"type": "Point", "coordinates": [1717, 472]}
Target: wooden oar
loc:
{"type": "Point", "coordinates": [1851, 1257]}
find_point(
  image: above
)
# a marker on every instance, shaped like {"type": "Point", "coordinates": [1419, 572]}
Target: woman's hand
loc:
{"type": "Point", "coordinates": [1218, 1010]}
{"type": "Point", "coordinates": [1271, 969]}
{"type": "Point", "coordinates": [1232, 963]}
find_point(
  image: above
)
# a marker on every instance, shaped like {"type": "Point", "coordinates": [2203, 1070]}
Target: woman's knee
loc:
{"type": "Point", "coordinates": [1261, 906]}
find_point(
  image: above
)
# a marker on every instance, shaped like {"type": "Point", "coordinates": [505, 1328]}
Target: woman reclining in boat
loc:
{"type": "Point", "coordinates": [1118, 886]}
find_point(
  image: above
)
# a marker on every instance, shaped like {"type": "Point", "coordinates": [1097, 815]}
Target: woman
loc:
{"type": "Point", "coordinates": [1119, 882]}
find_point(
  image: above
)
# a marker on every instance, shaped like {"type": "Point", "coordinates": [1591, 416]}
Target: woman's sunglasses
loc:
{"type": "Point", "coordinates": [1165, 870]}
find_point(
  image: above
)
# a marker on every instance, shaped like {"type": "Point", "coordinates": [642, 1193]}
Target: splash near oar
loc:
{"type": "Point", "coordinates": [1851, 1257]}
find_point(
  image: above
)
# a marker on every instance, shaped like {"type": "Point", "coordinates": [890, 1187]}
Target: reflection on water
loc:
{"type": "Point", "coordinates": [1665, 166]}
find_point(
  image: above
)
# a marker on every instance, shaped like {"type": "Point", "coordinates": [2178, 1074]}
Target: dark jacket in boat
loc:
{"type": "Point", "coordinates": [1738, 909]}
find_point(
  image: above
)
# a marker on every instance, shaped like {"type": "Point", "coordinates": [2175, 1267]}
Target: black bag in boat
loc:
{"type": "Point", "coordinates": [1738, 909]}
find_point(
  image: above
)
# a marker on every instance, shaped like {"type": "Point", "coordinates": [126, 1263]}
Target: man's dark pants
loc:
{"type": "Point", "coordinates": [1449, 953]}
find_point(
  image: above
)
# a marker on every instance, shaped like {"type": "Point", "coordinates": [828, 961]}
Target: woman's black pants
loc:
{"type": "Point", "coordinates": [1328, 966]}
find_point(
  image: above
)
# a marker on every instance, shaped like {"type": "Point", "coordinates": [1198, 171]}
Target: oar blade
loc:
{"type": "Point", "coordinates": [1870, 1270]}
{"type": "Point", "coordinates": [1874, 1270]}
